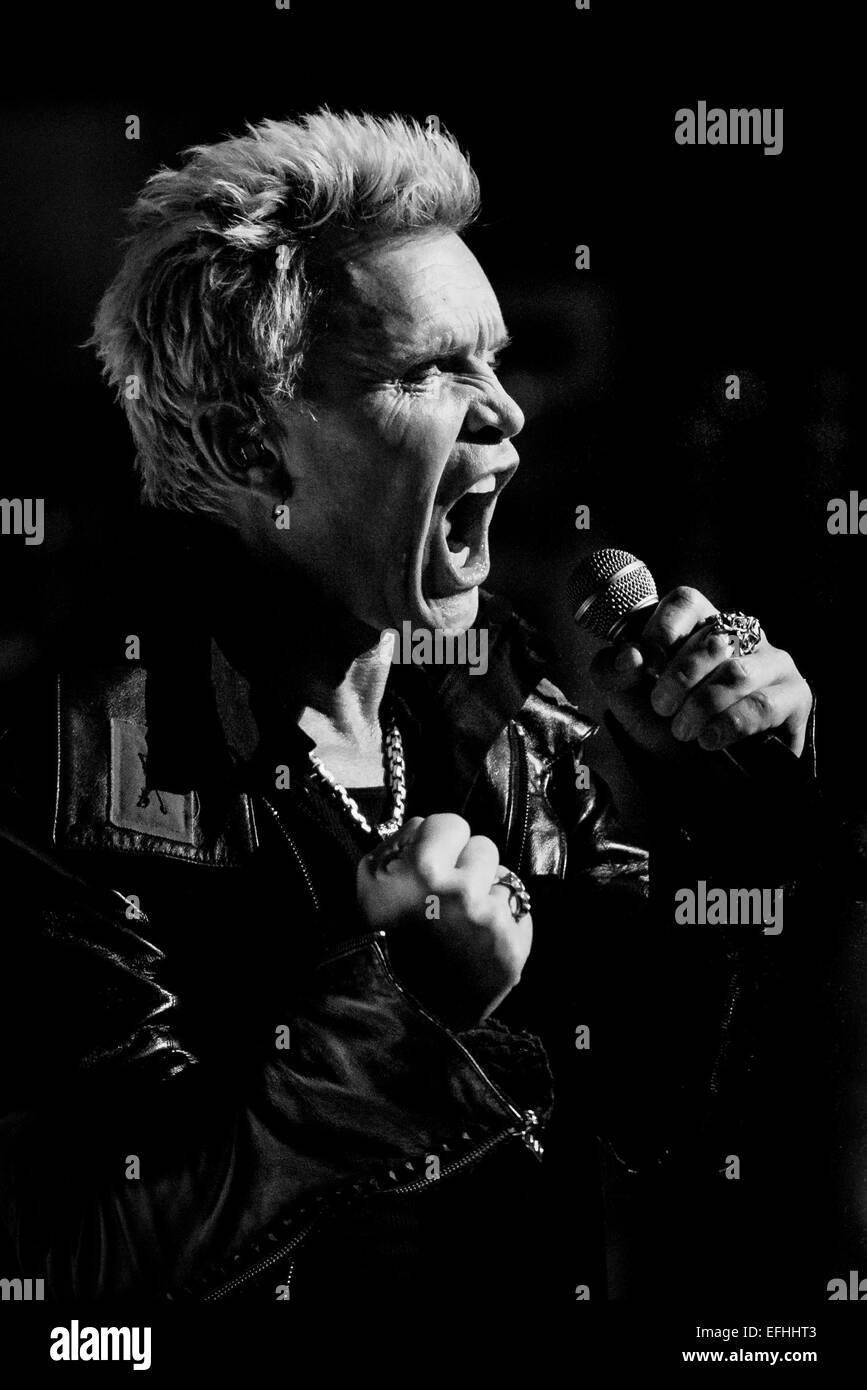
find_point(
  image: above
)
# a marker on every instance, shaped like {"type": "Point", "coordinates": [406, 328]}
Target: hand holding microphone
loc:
{"type": "Point", "coordinates": [678, 672]}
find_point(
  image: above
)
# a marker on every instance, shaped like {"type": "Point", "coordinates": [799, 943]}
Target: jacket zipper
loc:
{"type": "Point", "coordinates": [294, 848]}
{"type": "Point", "coordinates": [520, 791]}
{"type": "Point", "coordinates": [232, 1285]}
{"type": "Point", "coordinates": [504, 1099]}
{"type": "Point", "coordinates": [529, 1122]}
{"type": "Point", "coordinates": [526, 1134]}
{"type": "Point", "coordinates": [529, 1118]}
{"type": "Point", "coordinates": [525, 1130]}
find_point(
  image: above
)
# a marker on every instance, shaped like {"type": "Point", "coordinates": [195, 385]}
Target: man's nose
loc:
{"type": "Point", "coordinates": [494, 417]}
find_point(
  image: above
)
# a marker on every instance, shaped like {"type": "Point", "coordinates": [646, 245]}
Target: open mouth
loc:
{"type": "Point", "coordinates": [459, 549]}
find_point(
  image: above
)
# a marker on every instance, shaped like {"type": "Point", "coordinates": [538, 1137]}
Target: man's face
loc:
{"type": "Point", "coordinates": [397, 476]}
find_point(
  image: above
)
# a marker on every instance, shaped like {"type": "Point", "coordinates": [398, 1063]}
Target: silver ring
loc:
{"type": "Point", "coordinates": [519, 898]}
{"type": "Point", "coordinates": [737, 625]}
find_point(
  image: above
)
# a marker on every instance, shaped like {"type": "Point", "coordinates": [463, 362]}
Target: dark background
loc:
{"type": "Point", "coordinates": [704, 261]}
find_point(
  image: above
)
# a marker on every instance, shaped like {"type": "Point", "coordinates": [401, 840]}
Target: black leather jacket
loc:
{"type": "Point", "coordinates": [175, 914]}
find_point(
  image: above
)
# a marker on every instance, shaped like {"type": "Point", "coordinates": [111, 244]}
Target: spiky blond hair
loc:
{"type": "Point", "coordinates": [207, 306]}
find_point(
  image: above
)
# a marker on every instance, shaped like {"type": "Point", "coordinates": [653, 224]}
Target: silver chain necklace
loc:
{"type": "Point", "coordinates": [395, 769]}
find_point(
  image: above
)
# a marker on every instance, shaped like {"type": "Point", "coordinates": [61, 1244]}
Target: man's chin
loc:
{"type": "Point", "coordinates": [453, 613]}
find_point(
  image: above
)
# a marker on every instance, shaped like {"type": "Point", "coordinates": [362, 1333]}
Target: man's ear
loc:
{"type": "Point", "coordinates": [236, 452]}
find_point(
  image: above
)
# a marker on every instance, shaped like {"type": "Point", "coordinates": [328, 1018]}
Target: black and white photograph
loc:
{"type": "Point", "coordinates": [433, 853]}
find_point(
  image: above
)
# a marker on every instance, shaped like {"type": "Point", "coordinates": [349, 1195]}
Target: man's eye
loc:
{"type": "Point", "coordinates": [423, 372]}
{"type": "Point", "coordinates": [426, 371]}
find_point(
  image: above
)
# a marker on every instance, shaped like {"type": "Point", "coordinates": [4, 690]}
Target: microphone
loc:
{"type": "Point", "coordinates": [608, 593]}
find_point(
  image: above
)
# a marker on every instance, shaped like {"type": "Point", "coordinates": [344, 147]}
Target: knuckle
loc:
{"type": "Point", "coordinates": [733, 672]}
{"type": "Point", "coordinates": [718, 645]}
{"type": "Point", "coordinates": [762, 703]}
{"type": "Point", "coordinates": [447, 823]}
{"type": "Point", "coordinates": [714, 701]}
{"type": "Point", "coordinates": [483, 842]}
{"type": "Point", "coordinates": [684, 596]}
{"type": "Point", "coordinates": [433, 877]}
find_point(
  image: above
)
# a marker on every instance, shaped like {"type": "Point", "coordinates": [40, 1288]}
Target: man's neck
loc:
{"type": "Point", "coordinates": [319, 666]}
{"type": "Point", "coordinates": [344, 710]}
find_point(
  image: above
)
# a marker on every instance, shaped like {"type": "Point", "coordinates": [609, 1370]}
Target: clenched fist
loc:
{"type": "Point", "coordinates": [453, 939]}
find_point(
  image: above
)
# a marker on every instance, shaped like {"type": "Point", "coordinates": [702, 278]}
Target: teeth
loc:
{"type": "Point", "coordinates": [459, 557]}
{"type": "Point", "coordinates": [486, 484]}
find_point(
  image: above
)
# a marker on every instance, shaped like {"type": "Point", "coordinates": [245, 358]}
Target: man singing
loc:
{"type": "Point", "coordinates": [329, 972]}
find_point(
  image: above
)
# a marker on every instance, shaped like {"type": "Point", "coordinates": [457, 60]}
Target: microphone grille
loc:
{"type": "Point", "coordinates": [606, 587]}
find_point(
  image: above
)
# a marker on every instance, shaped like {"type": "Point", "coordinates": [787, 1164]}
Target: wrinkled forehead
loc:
{"type": "Point", "coordinates": [426, 291]}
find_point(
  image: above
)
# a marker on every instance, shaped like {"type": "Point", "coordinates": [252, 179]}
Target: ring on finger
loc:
{"type": "Point", "coordinates": [739, 628]}
{"type": "Point", "coordinates": [519, 898]}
